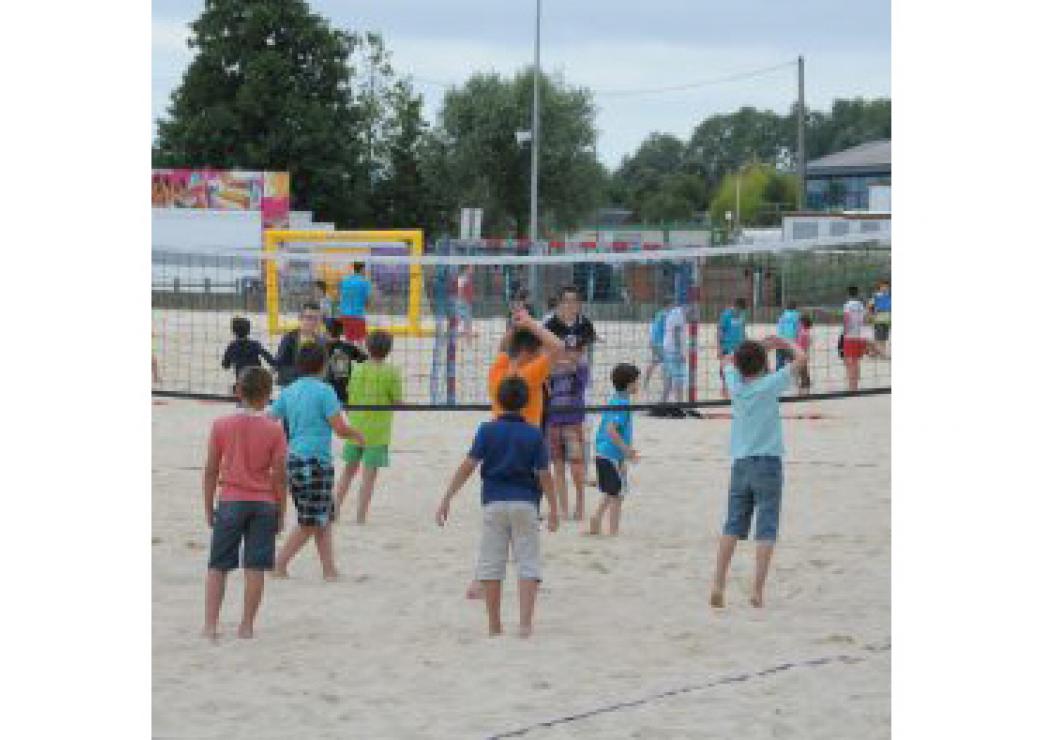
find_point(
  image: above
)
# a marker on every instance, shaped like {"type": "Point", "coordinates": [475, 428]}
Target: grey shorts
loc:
{"type": "Point", "coordinates": [509, 524]}
{"type": "Point", "coordinates": [247, 525]}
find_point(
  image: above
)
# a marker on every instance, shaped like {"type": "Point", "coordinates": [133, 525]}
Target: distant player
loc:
{"type": "Point", "coordinates": [656, 345]}
{"type": "Point", "coordinates": [310, 408]}
{"type": "Point", "coordinates": [787, 328]}
{"type": "Point", "coordinates": [342, 358]}
{"type": "Point", "coordinates": [676, 360]}
{"type": "Point", "coordinates": [854, 323]}
{"type": "Point", "coordinates": [881, 314]}
{"type": "Point", "coordinates": [756, 446]}
{"type": "Point", "coordinates": [614, 450]}
{"type": "Point", "coordinates": [731, 332]}
{"type": "Point", "coordinates": [565, 431]}
{"type": "Point", "coordinates": [320, 295]}
{"type": "Point", "coordinates": [465, 292]}
{"type": "Point", "coordinates": [246, 458]}
{"type": "Point", "coordinates": [243, 352]}
{"type": "Point", "coordinates": [804, 342]}
{"type": "Point", "coordinates": [376, 383]}
{"type": "Point", "coordinates": [514, 471]}
{"type": "Point", "coordinates": [355, 299]}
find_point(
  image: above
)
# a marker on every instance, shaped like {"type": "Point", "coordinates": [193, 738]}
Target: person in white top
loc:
{"type": "Point", "coordinates": [675, 366]}
{"type": "Point", "coordinates": [857, 344]}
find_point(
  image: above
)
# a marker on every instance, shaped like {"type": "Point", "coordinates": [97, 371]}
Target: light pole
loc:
{"type": "Point", "coordinates": [533, 229]}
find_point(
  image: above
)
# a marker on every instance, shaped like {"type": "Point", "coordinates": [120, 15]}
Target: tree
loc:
{"type": "Point", "coordinates": [723, 143]}
{"type": "Point", "coordinates": [658, 182]}
{"type": "Point", "coordinates": [485, 166]}
{"type": "Point", "coordinates": [849, 123]}
{"type": "Point", "coordinates": [270, 88]}
{"type": "Point", "coordinates": [764, 193]}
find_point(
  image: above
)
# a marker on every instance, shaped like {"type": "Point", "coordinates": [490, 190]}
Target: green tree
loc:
{"type": "Point", "coordinates": [722, 143]}
{"type": "Point", "coordinates": [658, 182]}
{"type": "Point", "coordinates": [270, 88]}
{"type": "Point", "coordinates": [486, 168]}
{"type": "Point", "coordinates": [850, 122]}
{"type": "Point", "coordinates": [764, 193]}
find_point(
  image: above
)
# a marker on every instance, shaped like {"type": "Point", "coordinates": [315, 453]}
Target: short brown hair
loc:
{"type": "Point", "coordinates": [255, 384]}
{"type": "Point", "coordinates": [750, 358]}
{"type": "Point", "coordinates": [379, 343]}
{"type": "Point", "coordinates": [311, 359]}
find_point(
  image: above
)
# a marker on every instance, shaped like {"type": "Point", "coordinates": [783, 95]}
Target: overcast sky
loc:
{"type": "Point", "coordinates": [609, 46]}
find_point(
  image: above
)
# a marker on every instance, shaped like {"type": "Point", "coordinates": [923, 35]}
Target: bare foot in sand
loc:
{"type": "Point", "coordinates": [495, 631]}
{"type": "Point", "coordinates": [475, 591]}
{"type": "Point", "coordinates": [523, 631]}
{"type": "Point", "coordinates": [245, 631]}
{"type": "Point", "coordinates": [331, 577]}
{"type": "Point", "coordinates": [282, 574]}
{"type": "Point", "coordinates": [593, 526]}
{"type": "Point", "coordinates": [210, 633]}
{"type": "Point", "coordinates": [716, 599]}
{"type": "Point", "coordinates": [756, 601]}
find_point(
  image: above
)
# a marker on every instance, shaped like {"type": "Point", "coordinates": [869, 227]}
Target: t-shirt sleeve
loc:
{"type": "Point", "coordinates": [478, 449]}
{"type": "Point", "coordinates": [778, 382]}
{"type": "Point", "coordinates": [330, 405]}
{"type": "Point", "coordinates": [732, 378]}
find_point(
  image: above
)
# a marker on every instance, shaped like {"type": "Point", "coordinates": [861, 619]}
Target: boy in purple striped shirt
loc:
{"type": "Point", "coordinates": [565, 429]}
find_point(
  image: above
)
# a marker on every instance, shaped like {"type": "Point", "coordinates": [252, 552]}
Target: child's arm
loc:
{"type": "Point", "coordinates": [343, 430]}
{"type": "Point", "coordinates": [267, 356]}
{"type": "Point", "coordinates": [209, 479]}
{"type": "Point", "coordinates": [551, 343]}
{"type": "Point", "coordinates": [549, 490]}
{"type": "Point", "coordinates": [226, 362]}
{"type": "Point", "coordinates": [778, 343]}
{"type": "Point", "coordinates": [278, 483]}
{"type": "Point", "coordinates": [628, 452]}
{"type": "Point", "coordinates": [465, 470]}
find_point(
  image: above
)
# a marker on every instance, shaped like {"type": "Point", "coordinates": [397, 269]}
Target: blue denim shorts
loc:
{"type": "Point", "coordinates": [755, 485]}
{"type": "Point", "coordinates": [247, 525]}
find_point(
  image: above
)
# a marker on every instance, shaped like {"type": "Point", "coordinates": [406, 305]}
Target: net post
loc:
{"type": "Point", "coordinates": [693, 304]}
{"type": "Point", "coordinates": [415, 279]}
{"type": "Point", "coordinates": [271, 274]}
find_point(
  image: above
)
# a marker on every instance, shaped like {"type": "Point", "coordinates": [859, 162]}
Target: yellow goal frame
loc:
{"type": "Point", "coordinates": [276, 239]}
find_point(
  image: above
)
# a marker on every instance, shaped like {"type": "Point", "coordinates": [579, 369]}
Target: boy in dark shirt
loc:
{"type": "Point", "coordinates": [243, 352]}
{"type": "Point", "coordinates": [342, 356]}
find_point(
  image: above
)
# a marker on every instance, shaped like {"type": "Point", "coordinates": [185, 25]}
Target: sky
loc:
{"type": "Point", "coordinates": [612, 47]}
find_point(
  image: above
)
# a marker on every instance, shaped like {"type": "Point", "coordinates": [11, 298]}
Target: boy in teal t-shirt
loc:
{"type": "Point", "coordinates": [375, 383]}
{"type": "Point", "coordinates": [614, 447]}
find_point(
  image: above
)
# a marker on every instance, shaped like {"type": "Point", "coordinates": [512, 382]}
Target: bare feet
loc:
{"type": "Point", "coordinates": [276, 573]}
{"type": "Point", "coordinates": [716, 599]}
{"type": "Point", "coordinates": [475, 591]}
{"type": "Point", "coordinates": [210, 633]}
{"type": "Point", "coordinates": [593, 526]}
{"type": "Point", "coordinates": [495, 631]}
{"type": "Point", "coordinates": [756, 601]}
{"type": "Point", "coordinates": [524, 631]}
{"type": "Point", "coordinates": [331, 577]}
{"type": "Point", "coordinates": [245, 631]}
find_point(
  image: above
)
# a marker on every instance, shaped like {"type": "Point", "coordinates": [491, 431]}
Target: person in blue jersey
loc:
{"type": "Point", "coordinates": [656, 345]}
{"type": "Point", "coordinates": [787, 328]}
{"type": "Point", "coordinates": [731, 332]}
{"type": "Point", "coordinates": [355, 298]}
{"type": "Point", "coordinates": [614, 448]}
{"type": "Point", "coordinates": [881, 313]}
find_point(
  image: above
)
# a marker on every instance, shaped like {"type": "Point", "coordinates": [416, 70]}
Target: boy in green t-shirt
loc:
{"type": "Point", "coordinates": [373, 383]}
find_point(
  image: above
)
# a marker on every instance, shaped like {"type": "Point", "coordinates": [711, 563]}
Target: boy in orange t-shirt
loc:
{"type": "Point", "coordinates": [528, 350]}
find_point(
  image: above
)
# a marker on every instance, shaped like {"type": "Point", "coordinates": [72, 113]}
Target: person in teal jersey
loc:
{"type": "Point", "coordinates": [656, 345]}
{"type": "Point", "coordinates": [355, 298]}
{"type": "Point", "coordinates": [731, 332]}
{"type": "Point", "coordinates": [881, 314]}
{"type": "Point", "coordinates": [614, 447]}
{"type": "Point", "coordinates": [787, 328]}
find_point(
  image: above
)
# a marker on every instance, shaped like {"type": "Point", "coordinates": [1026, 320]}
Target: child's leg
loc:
{"type": "Point", "coordinates": [578, 476]}
{"type": "Point", "coordinates": [323, 543]}
{"type": "Point", "coordinates": [527, 591]}
{"type": "Point", "coordinates": [343, 484]}
{"type": "Point", "coordinates": [727, 544]}
{"type": "Point", "coordinates": [560, 483]}
{"type": "Point", "coordinates": [493, 602]}
{"type": "Point", "coordinates": [292, 545]}
{"type": "Point", "coordinates": [368, 483]}
{"type": "Point", "coordinates": [254, 592]}
{"type": "Point", "coordinates": [215, 581]}
{"type": "Point", "coordinates": [595, 523]}
{"type": "Point", "coordinates": [615, 514]}
{"type": "Point", "coordinates": [763, 554]}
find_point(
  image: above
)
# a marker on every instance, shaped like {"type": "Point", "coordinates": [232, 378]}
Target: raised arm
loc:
{"type": "Point", "coordinates": [462, 474]}
{"type": "Point", "coordinates": [551, 343]}
{"type": "Point", "coordinates": [779, 343]}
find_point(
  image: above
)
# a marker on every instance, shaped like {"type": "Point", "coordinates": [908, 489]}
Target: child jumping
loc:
{"type": "Point", "coordinates": [614, 447]}
{"type": "Point", "coordinates": [514, 470]}
{"type": "Point", "coordinates": [246, 457]}
{"type": "Point", "coordinates": [313, 413]}
{"type": "Point", "coordinates": [565, 429]}
{"type": "Point", "coordinates": [756, 446]}
{"type": "Point", "coordinates": [374, 383]}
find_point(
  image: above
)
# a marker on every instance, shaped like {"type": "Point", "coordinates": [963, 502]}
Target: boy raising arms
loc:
{"type": "Point", "coordinates": [514, 469]}
{"type": "Point", "coordinates": [246, 457]}
{"type": "Point", "coordinates": [310, 408]}
{"type": "Point", "coordinates": [614, 447]}
{"type": "Point", "coordinates": [528, 350]}
{"type": "Point", "coordinates": [756, 446]}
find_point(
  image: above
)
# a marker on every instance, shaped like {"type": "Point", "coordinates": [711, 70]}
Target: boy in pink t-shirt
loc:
{"type": "Point", "coordinates": [246, 456]}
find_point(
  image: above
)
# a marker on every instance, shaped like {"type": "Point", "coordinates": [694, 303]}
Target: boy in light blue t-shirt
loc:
{"type": "Point", "coordinates": [756, 446]}
{"type": "Point", "coordinates": [787, 328]}
{"type": "Point", "coordinates": [312, 411]}
{"type": "Point", "coordinates": [656, 345]}
{"type": "Point", "coordinates": [614, 447]}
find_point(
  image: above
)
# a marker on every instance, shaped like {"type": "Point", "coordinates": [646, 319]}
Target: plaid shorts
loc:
{"type": "Point", "coordinates": [310, 482]}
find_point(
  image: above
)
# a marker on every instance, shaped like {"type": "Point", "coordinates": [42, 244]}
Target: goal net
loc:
{"type": "Point", "coordinates": [447, 307]}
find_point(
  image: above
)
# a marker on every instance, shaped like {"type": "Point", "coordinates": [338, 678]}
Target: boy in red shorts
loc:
{"type": "Point", "coordinates": [854, 316]}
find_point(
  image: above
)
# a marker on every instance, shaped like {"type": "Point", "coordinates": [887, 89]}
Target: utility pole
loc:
{"type": "Point", "coordinates": [801, 132]}
{"type": "Point", "coordinates": [533, 230]}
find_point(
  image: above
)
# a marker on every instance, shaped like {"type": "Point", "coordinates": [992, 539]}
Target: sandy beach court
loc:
{"type": "Point", "coordinates": [395, 651]}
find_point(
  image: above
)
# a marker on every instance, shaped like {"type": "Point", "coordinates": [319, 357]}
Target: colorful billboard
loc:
{"type": "Point", "coordinates": [225, 190]}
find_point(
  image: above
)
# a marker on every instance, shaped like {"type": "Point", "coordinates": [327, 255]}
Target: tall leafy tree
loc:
{"type": "Point", "coordinates": [659, 183]}
{"type": "Point", "coordinates": [764, 193]}
{"type": "Point", "coordinates": [270, 87]}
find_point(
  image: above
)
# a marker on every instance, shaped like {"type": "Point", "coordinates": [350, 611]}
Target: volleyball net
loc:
{"type": "Point", "coordinates": [447, 306]}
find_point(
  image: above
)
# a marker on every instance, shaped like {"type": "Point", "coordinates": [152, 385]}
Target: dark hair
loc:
{"type": "Point", "coordinates": [853, 291]}
{"type": "Point", "coordinates": [334, 328]}
{"type": "Point", "coordinates": [750, 358]}
{"type": "Point", "coordinates": [552, 301]}
{"type": "Point", "coordinates": [624, 375]}
{"type": "Point", "coordinates": [805, 321]}
{"type": "Point", "coordinates": [255, 384]}
{"type": "Point", "coordinates": [791, 305]}
{"type": "Point", "coordinates": [310, 359]}
{"type": "Point", "coordinates": [523, 340]}
{"type": "Point", "coordinates": [512, 394]}
{"type": "Point", "coordinates": [240, 327]}
{"type": "Point", "coordinates": [310, 306]}
{"type": "Point", "coordinates": [379, 343]}
{"type": "Point", "coordinates": [359, 267]}
{"type": "Point", "coordinates": [320, 284]}
{"type": "Point", "coordinates": [570, 289]}
{"type": "Point", "coordinates": [740, 303]}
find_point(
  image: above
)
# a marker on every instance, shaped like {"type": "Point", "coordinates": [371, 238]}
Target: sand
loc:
{"type": "Point", "coordinates": [394, 650]}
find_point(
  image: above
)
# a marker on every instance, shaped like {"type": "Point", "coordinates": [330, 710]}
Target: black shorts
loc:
{"type": "Point", "coordinates": [881, 332]}
{"type": "Point", "coordinates": [609, 477]}
{"type": "Point", "coordinates": [247, 525]}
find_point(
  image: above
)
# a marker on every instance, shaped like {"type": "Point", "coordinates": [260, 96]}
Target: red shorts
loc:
{"type": "Point", "coordinates": [354, 328]}
{"type": "Point", "coordinates": [855, 348]}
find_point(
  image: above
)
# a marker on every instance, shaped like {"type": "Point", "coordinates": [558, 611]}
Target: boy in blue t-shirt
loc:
{"type": "Point", "coordinates": [731, 332]}
{"type": "Point", "coordinates": [787, 328]}
{"type": "Point", "coordinates": [514, 468]}
{"type": "Point", "coordinates": [614, 447]}
{"type": "Point", "coordinates": [756, 446]}
{"type": "Point", "coordinates": [312, 412]}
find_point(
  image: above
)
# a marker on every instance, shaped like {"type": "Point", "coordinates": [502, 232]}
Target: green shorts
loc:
{"type": "Point", "coordinates": [377, 456]}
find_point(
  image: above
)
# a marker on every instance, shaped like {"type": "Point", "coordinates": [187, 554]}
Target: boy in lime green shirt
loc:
{"type": "Point", "coordinates": [373, 383]}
